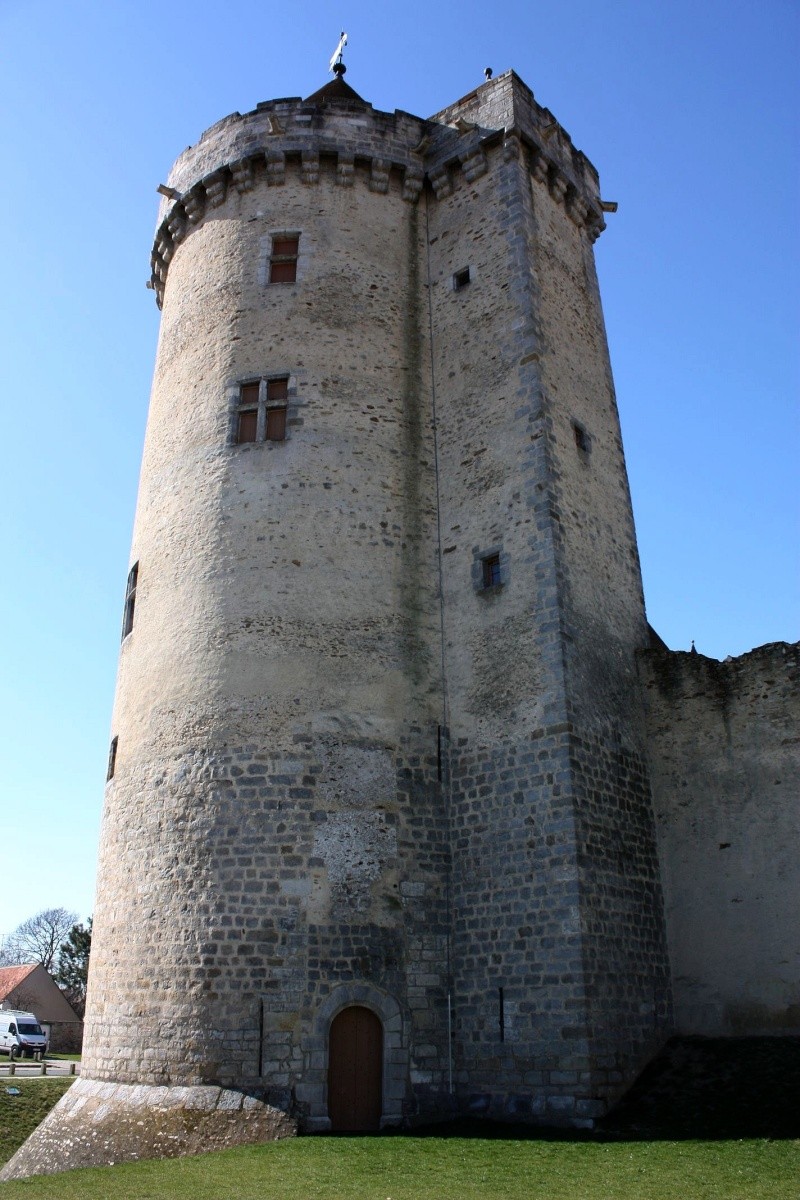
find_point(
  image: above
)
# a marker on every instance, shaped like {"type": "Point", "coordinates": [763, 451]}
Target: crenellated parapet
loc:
{"type": "Point", "coordinates": [278, 137]}
{"type": "Point", "coordinates": [497, 122]}
{"type": "Point", "coordinates": [503, 113]}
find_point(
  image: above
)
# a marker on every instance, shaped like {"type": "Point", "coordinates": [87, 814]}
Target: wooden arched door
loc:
{"type": "Point", "coordinates": [355, 1070]}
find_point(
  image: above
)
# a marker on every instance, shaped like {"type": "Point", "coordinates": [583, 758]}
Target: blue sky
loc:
{"type": "Point", "coordinates": [690, 113]}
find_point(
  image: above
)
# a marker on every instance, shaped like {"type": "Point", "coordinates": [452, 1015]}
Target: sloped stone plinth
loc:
{"type": "Point", "coordinates": [100, 1124]}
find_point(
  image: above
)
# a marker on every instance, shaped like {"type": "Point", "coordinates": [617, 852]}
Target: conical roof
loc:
{"type": "Point", "coordinates": [336, 91]}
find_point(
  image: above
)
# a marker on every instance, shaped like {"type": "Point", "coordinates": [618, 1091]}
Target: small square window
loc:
{"type": "Point", "coordinates": [491, 571]}
{"type": "Point", "coordinates": [283, 260]}
{"type": "Point", "coordinates": [461, 279]}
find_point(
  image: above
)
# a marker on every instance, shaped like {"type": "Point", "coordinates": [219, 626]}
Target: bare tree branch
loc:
{"type": "Point", "coordinates": [38, 939]}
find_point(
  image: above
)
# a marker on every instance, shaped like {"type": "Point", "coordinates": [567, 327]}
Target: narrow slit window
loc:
{"type": "Point", "coordinates": [130, 600]}
{"type": "Point", "coordinates": [582, 439]}
{"type": "Point", "coordinates": [491, 571]}
{"type": "Point", "coordinates": [461, 279]}
{"type": "Point", "coordinates": [283, 260]}
{"type": "Point", "coordinates": [112, 759]}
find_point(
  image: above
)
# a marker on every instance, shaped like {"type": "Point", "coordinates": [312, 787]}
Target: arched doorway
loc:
{"type": "Point", "coordinates": [355, 1070]}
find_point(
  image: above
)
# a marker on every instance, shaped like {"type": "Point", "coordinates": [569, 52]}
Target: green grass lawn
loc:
{"type": "Point", "coordinates": [397, 1167]}
{"type": "Point", "coordinates": [19, 1115]}
{"type": "Point", "coordinates": [430, 1168]}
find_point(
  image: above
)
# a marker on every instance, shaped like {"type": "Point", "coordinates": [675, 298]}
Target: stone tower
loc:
{"type": "Point", "coordinates": [378, 842]}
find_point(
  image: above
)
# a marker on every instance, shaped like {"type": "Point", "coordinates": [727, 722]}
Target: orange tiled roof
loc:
{"type": "Point", "coordinates": [12, 977]}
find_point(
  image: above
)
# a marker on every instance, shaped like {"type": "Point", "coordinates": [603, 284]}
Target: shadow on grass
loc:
{"type": "Point", "coordinates": [709, 1089]}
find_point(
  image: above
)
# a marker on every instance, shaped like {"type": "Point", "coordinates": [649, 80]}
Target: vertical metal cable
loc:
{"type": "Point", "coordinates": [445, 782]}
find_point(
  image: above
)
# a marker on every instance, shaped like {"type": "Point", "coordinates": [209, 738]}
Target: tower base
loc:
{"type": "Point", "coordinates": [100, 1124]}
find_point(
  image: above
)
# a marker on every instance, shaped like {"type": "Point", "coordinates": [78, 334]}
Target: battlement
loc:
{"type": "Point", "coordinates": [455, 146]}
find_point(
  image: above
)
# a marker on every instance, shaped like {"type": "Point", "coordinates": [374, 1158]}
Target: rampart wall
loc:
{"type": "Point", "coordinates": [723, 741]}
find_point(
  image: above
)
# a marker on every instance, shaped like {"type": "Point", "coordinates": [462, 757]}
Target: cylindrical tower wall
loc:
{"type": "Point", "coordinates": [284, 628]}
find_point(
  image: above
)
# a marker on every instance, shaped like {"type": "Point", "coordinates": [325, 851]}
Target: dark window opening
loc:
{"type": "Point", "coordinates": [283, 260]}
{"type": "Point", "coordinates": [112, 759]}
{"type": "Point", "coordinates": [491, 571]}
{"type": "Point", "coordinates": [461, 279]}
{"type": "Point", "coordinates": [582, 439]}
{"type": "Point", "coordinates": [130, 600]}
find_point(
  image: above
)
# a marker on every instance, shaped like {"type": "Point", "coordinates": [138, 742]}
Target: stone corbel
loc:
{"type": "Point", "coordinates": [345, 170]}
{"type": "Point", "coordinates": [539, 166]}
{"type": "Point", "coordinates": [164, 246]}
{"type": "Point", "coordinates": [595, 226]}
{"type": "Point", "coordinates": [195, 204]}
{"type": "Point", "coordinates": [243, 173]}
{"type": "Point", "coordinates": [309, 170]}
{"type": "Point", "coordinates": [442, 185]}
{"type": "Point", "coordinates": [412, 186]}
{"type": "Point", "coordinates": [276, 168]}
{"type": "Point", "coordinates": [379, 176]}
{"type": "Point", "coordinates": [577, 208]}
{"type": "Point", "coordinates": [558, 186]}
{"type": "Point", "coordinates": [176, 224]}
{"type": "Point", "coordinates": [216, 186]}
{"type": "Point", "coordinates": [512, 146]}
{"type": "Point", "coordinates": [475, 165]}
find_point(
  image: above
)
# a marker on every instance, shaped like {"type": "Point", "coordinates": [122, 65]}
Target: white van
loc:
{"type": "Point", "coordinates": [21, 1034]}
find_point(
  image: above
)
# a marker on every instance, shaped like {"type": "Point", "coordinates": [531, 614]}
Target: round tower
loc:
{"type": "Point", "coordinates": [283, 625]}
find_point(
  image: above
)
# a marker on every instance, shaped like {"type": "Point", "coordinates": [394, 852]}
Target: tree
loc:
{"type": "Point", "coordinates": [38, 939]}
{"type": "Point", "coordinates": [73, 965]}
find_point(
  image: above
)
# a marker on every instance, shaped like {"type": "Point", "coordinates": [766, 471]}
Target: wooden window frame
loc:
{"type": "Point", "coordinates": [268, 400]}
{"type": "Point", "coordinates": [283, 257]}
{"type": "Point", "coordinates": [247, 409]}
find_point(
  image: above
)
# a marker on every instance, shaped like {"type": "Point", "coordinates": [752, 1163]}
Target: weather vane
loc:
{"type": "Point", "coordinates": [336, 57]}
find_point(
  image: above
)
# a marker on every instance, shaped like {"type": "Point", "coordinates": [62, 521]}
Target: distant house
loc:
{"type": "Point", "coordinates": [31, 989]}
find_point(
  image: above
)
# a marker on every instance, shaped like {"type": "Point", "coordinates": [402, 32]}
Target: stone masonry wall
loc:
{"type": "Point", "coordinates": [278, 697]}
{"type": "Point", "coordinates": [723, 740]}
{"type": "Point", "coordinates": [559, 956]}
